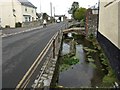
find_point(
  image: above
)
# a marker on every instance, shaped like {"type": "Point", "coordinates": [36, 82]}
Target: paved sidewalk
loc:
{"type": "Point", "coordinates": [9, 31]}
{"type": "Point", "coordinates": [13, 31]}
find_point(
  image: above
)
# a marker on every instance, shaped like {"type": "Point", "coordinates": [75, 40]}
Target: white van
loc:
{"type": "Point", "coordinates": [58, 21]}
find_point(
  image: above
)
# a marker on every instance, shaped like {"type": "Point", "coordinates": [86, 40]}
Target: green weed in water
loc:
{"type": "Point", "coordinates": [67, 62]}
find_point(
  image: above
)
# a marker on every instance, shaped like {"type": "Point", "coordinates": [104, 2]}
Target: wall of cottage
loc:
{"type": "Point", "coordinates": [28, 11]}
{"type": "Point", "coordinates": [109, 19]}
{"type": "Point", "coordinates": [11, 12]}
{"type": "Point", "coordinates": [108, 33]}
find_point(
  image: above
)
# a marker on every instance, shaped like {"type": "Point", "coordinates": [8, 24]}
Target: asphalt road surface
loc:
{"type": "Point", "coordinates": [20, 51]}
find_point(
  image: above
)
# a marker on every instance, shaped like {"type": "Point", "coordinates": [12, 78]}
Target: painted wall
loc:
{"type": "Point", "coordinates": [119, 25]}
{"type": "Point", "coordinates": [8, 17]}
{"type": "Point", "coordinates": [6, 14]}
{"type": "Point", "coordinates": [109, 19]}
{"type": "Point", "coordinates": [30, 11]}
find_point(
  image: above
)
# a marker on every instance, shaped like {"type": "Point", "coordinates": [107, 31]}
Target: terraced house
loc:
{"type": "Point", "coordinates": [15, 12]}
{"type": "Point", "coordinates": [109, 30]}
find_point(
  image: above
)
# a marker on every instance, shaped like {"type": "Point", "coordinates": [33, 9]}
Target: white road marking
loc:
{"type": "Point", "coordinates": [6, 35]}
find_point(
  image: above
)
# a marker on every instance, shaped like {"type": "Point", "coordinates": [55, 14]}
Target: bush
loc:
{"type": "Point", "coordinates": [18, 24]}
{"type": "Point", "coordinates": [7, 26]}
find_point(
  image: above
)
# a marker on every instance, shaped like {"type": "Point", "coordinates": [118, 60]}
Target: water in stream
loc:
{"type": "Point", "coordinates": [85, 73]}
{"type": "Point", "coordinates": [78, 75]}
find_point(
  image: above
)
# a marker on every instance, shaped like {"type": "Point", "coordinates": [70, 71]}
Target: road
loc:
{"type": "Point", "coordinates": [19, 52]}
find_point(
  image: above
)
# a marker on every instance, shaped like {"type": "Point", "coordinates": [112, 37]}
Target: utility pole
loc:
{"type": "Point", "coordinates": [51, 8]}
{"type": "Point", "coordinates": [40, 13]}
{"type": "Point", "coordinates": [51, 11]}
{"type": "Point", "coordinates": [54, 11]}
{"type": "Point", "coordinates": [40, 6]}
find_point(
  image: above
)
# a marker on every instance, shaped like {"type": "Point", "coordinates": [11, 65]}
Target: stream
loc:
{"type": "Point", "coordinates": [78, 75]}
{"type": "Point", "coordinates": [89, 71]}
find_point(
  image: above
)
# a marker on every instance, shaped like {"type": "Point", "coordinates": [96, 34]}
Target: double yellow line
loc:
{"type": "Point", "coordinates": [26, 78]}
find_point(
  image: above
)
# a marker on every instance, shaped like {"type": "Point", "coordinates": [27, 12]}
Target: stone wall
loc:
{"type": "Point", "coordinates": [91, 23]}
{"type": "Point", "coordinates": [31, 24]}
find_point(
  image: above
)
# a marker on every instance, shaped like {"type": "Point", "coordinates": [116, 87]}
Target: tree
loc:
{"type": "Point", "coordinates": [45, 16]}
{"type": "Point", "coordinates": [74, 7]}
{"type": "Point", "coordinates": [80, 14]}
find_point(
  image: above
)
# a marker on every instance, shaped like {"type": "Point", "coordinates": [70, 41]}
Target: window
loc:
{"type": "Point", "coordinates": [32, 11]}
{"type": "Point", "coordinates": [13, 10]}
{"type": "Point", "coordinates": [26, 19]}
{"type": "Point", "coordinates": [29, 19]}
{"type": "Point", "coordinates": [26, 9]}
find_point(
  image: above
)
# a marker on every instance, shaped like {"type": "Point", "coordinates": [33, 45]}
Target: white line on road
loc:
{"type": "Point", "coordinates": [6, 35]}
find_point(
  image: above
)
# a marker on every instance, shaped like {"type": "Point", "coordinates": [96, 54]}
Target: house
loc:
{"type": "Point", "coordinates": [13, 12]}
{"type": "Point", "coordinates": [109, 30]}
{"type": "Point", "coordinates": [91, 22]}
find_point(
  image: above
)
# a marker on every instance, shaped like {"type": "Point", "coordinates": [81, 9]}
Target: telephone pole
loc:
{"type": "Point", "coordinates": [51, 8]}
{"type": "Point", "coordinates": [51, 11]}
{"type": "Point", "coordinates": [40, 6]}
{"type": "Point", "coordinates": [54, 11]}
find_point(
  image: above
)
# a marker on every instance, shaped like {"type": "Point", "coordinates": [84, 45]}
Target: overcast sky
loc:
{"type": "Point", "coordinates": [61, 6]}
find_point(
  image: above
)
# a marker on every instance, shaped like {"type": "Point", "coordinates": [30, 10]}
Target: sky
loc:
{"type": "Point", "coordinates": [61, 6]}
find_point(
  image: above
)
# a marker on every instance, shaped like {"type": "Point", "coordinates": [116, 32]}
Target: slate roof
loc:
{"type": "Point", "coordinates": [26, 3]}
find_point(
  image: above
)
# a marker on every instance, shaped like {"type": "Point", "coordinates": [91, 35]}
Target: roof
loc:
{"type": "Point", "coordinates": [26, 3]}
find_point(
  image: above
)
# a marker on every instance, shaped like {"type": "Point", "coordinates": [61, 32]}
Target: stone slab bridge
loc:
{"type": "Point", "coordinates": [75, 30]}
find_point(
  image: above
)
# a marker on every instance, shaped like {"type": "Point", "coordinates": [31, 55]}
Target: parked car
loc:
{"type": "Point", "coordinates": [58, 21]}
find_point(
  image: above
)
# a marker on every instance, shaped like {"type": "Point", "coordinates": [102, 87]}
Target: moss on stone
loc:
{"type": "Point", "coordinates": [91, 60]}
{"type": "Point", "coordinates": [109, 79]}
{"type": "Point", "coordinates": [89, 50]}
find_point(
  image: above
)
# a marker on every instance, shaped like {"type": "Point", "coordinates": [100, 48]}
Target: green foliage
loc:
{"type": "Point", "coordinates": [89, 50]}
{"type": "Point", "coordinates": [104, 59]}
{"type": "Point", "coordinates": [67, 61]}
{"type": "Point", "coordinates": [82, 22]}
{"type": "Point", "coordinates": [91, 60]}
{"type": "Point", "coordinates": [80, 14]}
{"type": "Point", "coordinates": [110, 78]}
{"type": "Point", "coordinates": [18, 24]}
{"type": "Point", "coordinates": [71, 61]}
{"type": "Point", "coordinates": [45, 16]}
{"type": "Point", "coordinates": [74, 7]}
